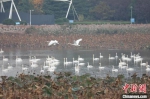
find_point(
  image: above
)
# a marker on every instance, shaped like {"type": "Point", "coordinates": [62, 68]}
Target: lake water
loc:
{"type": "Point", "coordinates": [70, 54]}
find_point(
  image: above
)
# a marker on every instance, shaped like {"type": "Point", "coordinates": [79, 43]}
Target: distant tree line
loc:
{"type": "Point", "coordinates": [114, 10]}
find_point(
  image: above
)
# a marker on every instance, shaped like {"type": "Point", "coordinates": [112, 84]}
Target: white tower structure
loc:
{"type": "Point", "coordinates": [11, 8]}
{"type": "Point", "coordinates": [70, 4]}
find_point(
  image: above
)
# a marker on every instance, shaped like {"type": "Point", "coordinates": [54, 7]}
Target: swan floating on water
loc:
{"type": "Point", "coordinates": [33, 65]}
{"type": "Point", "coordinates": [114, 70]}
{"type": "Point", "coordinates": [101, 67]}
{"type": "Point", "coordinates": [9, 66]}
{"type": "Point", "coordinates": [18, 59]}
{"type": "Point", "coordinates": [100, 55]}
{"type": "Point", "coordinates": [143, 64]}
{"type": "Point", "coordinates": [42, 70]}
{"type": "Point", "coordinates": [77, 68]}
{"type": "Point", "coordinates": [67, 62]}
{"type": "Point", "coordinates": [95, 59]}
{"type": "Point", "coordinates": [24, 68]}
{"type": "Point", "coordinates": [5, 59]}
{"type": "Point", "coordinates": [89, 66]}
{"type": "Point", "coordinates": [75, 61]}
{"type": "Point", "coordinates": [45, 66]}
{"type": "Point", "coordinates": [1, 51]}
{"type": "Point", "coordinates": [4, 69]}
{"type": "Point", "coordinates": [80, 59]}
{"type": "Point", "coordinates": [116, 56]}
{"type": "Point", "coordinates": [147, 68]}
{"type": "Point", "coordinates": [129, 69]}
{"type": "Point", "coordinates": [33, 59]}
{"type": "Point", "coordinates": [111, 57]}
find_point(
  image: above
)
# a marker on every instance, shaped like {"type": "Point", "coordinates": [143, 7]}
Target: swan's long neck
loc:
{"type": "Point", "coordinates": [64, 60]}
{"type": "Point", "coordinates": [100, 64]}
{"type": "Point", "coordinates": [44, 63]}
{"type": "Point", "coordinates": [120, 60]}
{"type": "Point", "coordinates": [113, 67]}
{"type": "Point", "coordinates": [127, 66]}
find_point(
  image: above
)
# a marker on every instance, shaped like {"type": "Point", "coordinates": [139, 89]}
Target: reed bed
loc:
{"type": "Point", "coordinates": [79, 29]}
{"type": "Point", "coordinates": [134, 41]}
{"type": "Point", "coordinates": [104, 28]}
{"type": "Point", "coordinates": [106, 36]}
{"type": "Point", "coordinates": [67, 86]}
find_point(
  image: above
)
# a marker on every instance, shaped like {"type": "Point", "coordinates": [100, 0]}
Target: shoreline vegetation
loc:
{"type": "Point", "coordinates": [68, 86]}
{"type": "Point", "coordinates": [105, 36]}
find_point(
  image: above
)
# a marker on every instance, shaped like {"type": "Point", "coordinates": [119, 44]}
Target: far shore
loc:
{"type": "Point", "coordinates": [123, 37]}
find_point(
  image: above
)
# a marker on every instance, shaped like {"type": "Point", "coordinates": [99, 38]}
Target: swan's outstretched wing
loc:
{"type": "Point", "coordinates": [51, 43]}
{"type": "Point", "coordinates": [78, 41]}
{"type": "Point", "coordinates": [56, 42]}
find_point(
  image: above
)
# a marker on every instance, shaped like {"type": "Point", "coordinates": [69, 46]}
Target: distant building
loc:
{"type": "Point", "coordinates": [35, 19]}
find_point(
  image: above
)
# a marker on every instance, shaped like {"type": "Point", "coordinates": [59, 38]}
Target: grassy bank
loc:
{"type": "Point", "coordinates": [100, 22]}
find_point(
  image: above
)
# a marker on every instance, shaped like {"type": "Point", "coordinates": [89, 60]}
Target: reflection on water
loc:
{"type": "Point", "coordinates": [97, 63]}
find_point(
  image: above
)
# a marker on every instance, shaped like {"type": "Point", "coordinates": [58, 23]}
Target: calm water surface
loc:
{"type": "Point", "coordinates": [70, 54]}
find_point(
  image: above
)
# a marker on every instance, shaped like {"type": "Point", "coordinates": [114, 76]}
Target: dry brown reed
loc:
{"type": "Point", "coordinates": [106, 36]}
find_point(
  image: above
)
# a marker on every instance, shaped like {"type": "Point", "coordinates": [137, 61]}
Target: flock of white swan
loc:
{"type": "Point", "coordinates": [55, 42]}
{"type": "Point", "coordinates": [50, 63]}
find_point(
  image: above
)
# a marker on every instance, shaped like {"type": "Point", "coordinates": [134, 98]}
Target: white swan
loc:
{"type": "Point", "coordinates": [80, 59]}
{"type": "Point", "coordinates": [129, 69]}
{"type": "Point", "coordinates": [89, 66]}
{"type": "Point", "coordinates": [1, 51]}
{"type": "Point", "coordinates": [18, 59]}
{"type": "Point", "coordinates": [24, 68]}
{"type": "Point", "coordinates": [114, 70]}
{"type": "Point", "coordinates": [76, 43]}
{"type": "Point", "coordinates": [123, 66]}
{"type": "Point", "coordinates": [42, 70]}
{"type": "Point", "coordinates": [75, 61]}
{"type": "Point", "coordinates": [100, 56]}
{"type": "Point", "coordinates": [66, 62]}
{"type": "Point", "coordinates": [132, 56]}
{"type": "Point", "coordinates": [143, 64]}
{"type": "Point", "coordinates": [95, 59]}
{"type": "Point", "coordinates": [126, 58]}
{"type": "Point", "coordinates": [81, 64]}
{"type": "Point", "coordinates": [77, 68]}
{"type": "Point", "coordinates": [4, 70]}
{"type": "Point", "coordinates": [33, 59]}
{"type": "Point", "coordinates": [147, 65]}
{"type": "Point", "coordinates": [116, 56]}
{"type": "Point", "coordinates": [51, 68]}
{"type": "Point", "coordinates": [101, 67]}
{"type": "Point", "coordinates": [45, 66]}
{"type": "Point", "coordinates": [9, 66]}
{"type": "Point", "coordinates": [48, 58]}
{"type": "Point", "coordinates": [137, 59]}
{"type": "Point", "coordinates": [122, 63]}
{"type": "Point", "coordinates": [111, 57]}
{"type": "Point", "coordinates": [5, 59]}
{"type": "Point", "coordinates": [34, 65]}
{"type": "Point", "coordinates": [147, 68]}
{"type": "Point", "coordinates": [52, 42]}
